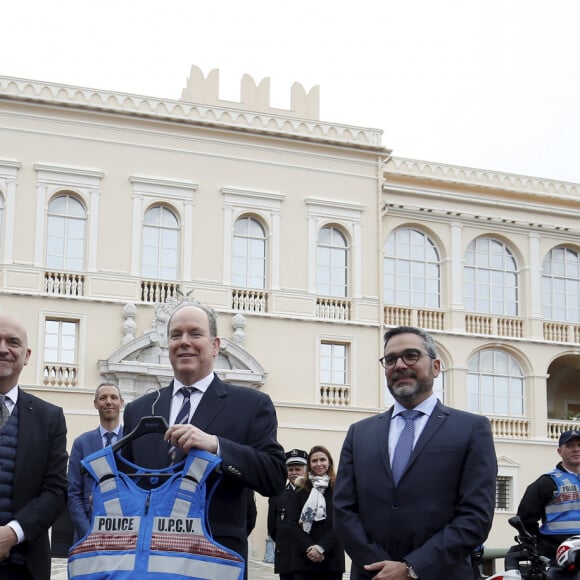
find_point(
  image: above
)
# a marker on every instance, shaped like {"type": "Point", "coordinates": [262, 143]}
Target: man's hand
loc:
{"type": "Point", "coordinates": [314, 554]}
{"type": "Point", "coordinates": [7, 540]}
{"type": "Point", "coordinates": [388, 570]}
{"type": "Point", "coordinates": [187, 437]}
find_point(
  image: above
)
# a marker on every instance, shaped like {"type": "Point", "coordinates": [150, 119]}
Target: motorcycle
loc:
{"type": "Point", "coordinates": [524, 562]}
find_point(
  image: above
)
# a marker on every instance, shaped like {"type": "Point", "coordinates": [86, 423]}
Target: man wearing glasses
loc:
{"type": "Point", "coordinates": [415, 489]}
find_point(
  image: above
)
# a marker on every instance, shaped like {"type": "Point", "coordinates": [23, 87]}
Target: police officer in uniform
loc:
{"type": "Point", "coordinates": [550, 508]}
{"type": "Point", "coordinates": [279, 524]}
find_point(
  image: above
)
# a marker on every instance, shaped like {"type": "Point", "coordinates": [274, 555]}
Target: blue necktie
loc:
{"type": "Point", "coordinates": [109, 437]}
{"type": "Point", "coordinates": [405, 444]}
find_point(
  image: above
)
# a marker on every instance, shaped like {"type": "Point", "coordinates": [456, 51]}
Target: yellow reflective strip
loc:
{"type": "Point", "coordinates": [195, 568]}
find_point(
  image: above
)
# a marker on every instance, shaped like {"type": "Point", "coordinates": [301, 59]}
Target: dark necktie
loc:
{"type": "Point", "coordinates": [109, 437]}
{"type": "Point", "coordinates": [183, 415]}
{"type": "Point", "coordinates": [405, 444]}
{"type": "Point", "coordinates": [4, 412]}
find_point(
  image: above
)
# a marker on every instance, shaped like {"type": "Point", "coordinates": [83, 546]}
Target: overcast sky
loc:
{"type": "Point", "coordinates": [492, 84]}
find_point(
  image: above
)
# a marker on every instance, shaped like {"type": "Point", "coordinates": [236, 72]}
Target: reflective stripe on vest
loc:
{"type": "Point", "coordinates": [563, 512]}
{"type": "Point", "coordinates": [154, 534]}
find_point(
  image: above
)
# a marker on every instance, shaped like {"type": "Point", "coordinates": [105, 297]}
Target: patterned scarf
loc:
{"type": "Point", "coordinates": [314, 509]}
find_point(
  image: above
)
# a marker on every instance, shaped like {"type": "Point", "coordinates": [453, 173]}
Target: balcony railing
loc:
{"type": "Point", "coordinates": [555, 428]}
{"type": "Point", "coordinates": [484, 324]}
{"type": "Point", "coordinates": [244, 300]}
{"type": "Point", "coordinates": [158, 291]}
{"type": "Point", "coordinates": [423, 318]}
{"type": "Point", "coordinates": [333, 308]}
{"type": "Point", "coordinates": [335, 395]}
{"type": "Point", "coordinates": [59, 375]}
{"type": "Point", "coordinates": [64, 284]}
{"type": "Point", "coordinates": [510, 427]}
{"type": "Point", "coordinates": [562, 332]}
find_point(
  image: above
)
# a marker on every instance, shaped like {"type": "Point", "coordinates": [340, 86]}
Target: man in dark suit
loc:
{"type": "Point", "coordinates": [415, 489]}
{"type": "Point", "coordinates": [108, 402]}
{"type": "Point", "coordinates": [237, 423]}
{"type": "Point", "coordinates": [279, 523]}
{"type": "Point", "coordinates": [33, 458]}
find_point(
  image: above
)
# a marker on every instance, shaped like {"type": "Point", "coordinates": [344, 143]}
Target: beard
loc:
{"type": "Point", "coordinates": [412, 387]}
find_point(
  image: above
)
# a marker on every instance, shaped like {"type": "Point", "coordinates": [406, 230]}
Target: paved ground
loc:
{"type": "Point", "coordinates": [256, 570]}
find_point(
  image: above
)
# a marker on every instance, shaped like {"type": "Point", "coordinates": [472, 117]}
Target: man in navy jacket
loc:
{"type": "Point", "coordinates": [425, 522]}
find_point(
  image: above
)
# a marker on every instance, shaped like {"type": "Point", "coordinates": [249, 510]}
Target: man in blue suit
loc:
{"type": "Point", "coordinates": [415, 489]}
{"type": "Point", "coordinates": [108, 402]}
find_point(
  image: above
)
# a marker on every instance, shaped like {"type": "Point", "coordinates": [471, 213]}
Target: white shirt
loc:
{"type": "Point", "coordinates": [397, 422]}
{"type": "Point", "coordinates": [196, 395]}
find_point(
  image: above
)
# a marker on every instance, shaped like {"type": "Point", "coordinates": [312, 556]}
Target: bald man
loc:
{"type": "Point", "coordinates": [33, 455]}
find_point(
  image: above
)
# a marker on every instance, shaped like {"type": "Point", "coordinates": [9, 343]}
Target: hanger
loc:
{"type": "Point", "coordinates": [152, 424]}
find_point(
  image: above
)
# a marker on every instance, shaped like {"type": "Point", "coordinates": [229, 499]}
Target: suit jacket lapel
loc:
{"type": "Point", "coordinates": [96, 442]}
{"type": "Point", "coordinates": [26, 428]}
{"type": "Point", "coordinates": [437, 418]}
{"type": "Point", "coordinates": [211, 404]}
{"type": "Point", "coordinates": [384, 423]}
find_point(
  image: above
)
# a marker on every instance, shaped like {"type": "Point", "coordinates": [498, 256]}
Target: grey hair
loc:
{"type": "Point", "coordinates": [427, 338]}
{"type": "Point", "coordinates": [210, 313]}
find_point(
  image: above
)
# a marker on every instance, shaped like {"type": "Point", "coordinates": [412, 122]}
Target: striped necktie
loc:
{"type": "Point", "coordinates": [183, 415]}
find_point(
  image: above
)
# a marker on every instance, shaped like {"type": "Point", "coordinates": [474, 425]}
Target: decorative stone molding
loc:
{"type": "Point", "coordinates": [482, 178]}
{"type": "Point", "coordinates": [142, 363]}
{"type": "Point", "coordinates": [182, 111]}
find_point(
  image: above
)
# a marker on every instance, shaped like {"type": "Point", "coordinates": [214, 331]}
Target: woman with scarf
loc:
{"type": "Point", "coordinates": [318, 555]}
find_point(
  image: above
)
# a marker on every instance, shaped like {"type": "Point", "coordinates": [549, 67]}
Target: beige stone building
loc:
{"type": "Point", "coordinates": [308, 238]}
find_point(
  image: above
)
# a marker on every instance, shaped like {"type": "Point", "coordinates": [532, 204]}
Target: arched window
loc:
{"type": "Point", "coordinates": [411, 270]}
{"type": "Point", "coordinates": [249, 254]}
{"type": "Point", "coordinates": [561, 285]}
{"type": "Point", "coordinates": [66, 231]}
{"type": "Point", "coordinates": [160, 244]}
{"type": "Point", "coordinates": [332, 263]}
{"type": "Point", "coordinates": [490, 278]}
{"type": "Point", "coordinates": [495, 384]}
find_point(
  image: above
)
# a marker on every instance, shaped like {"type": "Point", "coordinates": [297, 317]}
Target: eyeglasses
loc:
{"type": "Point", "coordinates": [409, 356]}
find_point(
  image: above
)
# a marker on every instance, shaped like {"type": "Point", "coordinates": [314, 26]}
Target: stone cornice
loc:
{"type": "Point", "coordinates": [453, 174]}
{"type": "Point", "coordinates": [180, 111]}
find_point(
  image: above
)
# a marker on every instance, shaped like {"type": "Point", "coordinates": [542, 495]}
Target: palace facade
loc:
{"type": "Point", "coordinates": [308, 238]}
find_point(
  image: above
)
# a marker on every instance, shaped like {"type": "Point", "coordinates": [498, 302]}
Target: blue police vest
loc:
{"type": "Point", "coordinates": [563, 512]}
{"type": "Point", "coordinates": [151, 534]}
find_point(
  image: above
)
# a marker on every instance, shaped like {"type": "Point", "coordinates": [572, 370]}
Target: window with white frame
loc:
{"type": "Point", "coordinates": [490, 278]}
{"type": "Point", "coordinates": [66, 230]}
{"type": "Point", "coordinates": [249, 254]}
{"type": "Point", "coordinates": [411, 270]}
{"type": "Point", "coordinates": [561, 285]}
{"type": "Point", "coordinates": [333, 363]}
{"type": "Point", "coordinates": [332, 263]}
{"type": "Point", "coordinates": [160, 253]}
{"type": "Point", "coordinates": [503, 493]}
{"type": "Point", "coordinates": [60, 341]}
{"type": "Point", "coordinates": [495, 384]}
